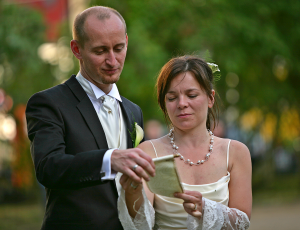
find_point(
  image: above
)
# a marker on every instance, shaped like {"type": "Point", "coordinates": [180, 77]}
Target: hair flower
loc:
{"type": "Point", "coordinates": [214, 67]}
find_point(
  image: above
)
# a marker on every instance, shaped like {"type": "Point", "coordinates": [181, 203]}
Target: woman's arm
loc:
{"type": "Point", "coordinates": [240, 189]}
{"type": "Point", "coordinates": [215, 215]}
{"type": "Point", "coordinates": [133, 196]}
{"type": "Point", "coordinates": [136, 204]}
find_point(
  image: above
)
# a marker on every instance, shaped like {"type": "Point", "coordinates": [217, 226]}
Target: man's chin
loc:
{"type": "Point", "coordinates": [111, 79]}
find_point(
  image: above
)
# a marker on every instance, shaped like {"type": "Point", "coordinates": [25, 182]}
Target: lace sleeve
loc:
{"type": "Point", "coordinates": [144, 218]}
{"type": "Point", "coordinates": [219, 217]}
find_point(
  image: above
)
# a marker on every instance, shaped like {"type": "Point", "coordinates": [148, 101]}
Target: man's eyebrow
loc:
{"type": "Point", "coordinates": [104, 47]}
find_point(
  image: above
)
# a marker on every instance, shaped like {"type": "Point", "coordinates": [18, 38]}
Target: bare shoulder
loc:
{"type": "Point", "coordinates": [150, 148]}
{"type": "Point", "coordinates": [147, 147]}
{"type": "Point", "coordinates": [239, 149]}
{"type": "Point", "coordinates": [239, 153]}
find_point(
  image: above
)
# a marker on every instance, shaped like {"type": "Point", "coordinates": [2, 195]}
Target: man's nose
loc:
{"type": "Point", "coordinates": [111, 59]}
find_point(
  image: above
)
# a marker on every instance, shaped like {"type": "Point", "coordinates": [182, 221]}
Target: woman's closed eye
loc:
{"type": "Point", "coordinates": [171, 98]}
{"type": "Point", "coordinates": [192, 96]}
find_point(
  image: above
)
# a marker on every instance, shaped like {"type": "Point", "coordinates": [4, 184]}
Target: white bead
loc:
{"type": "Point", "coordinates": [188, 161]}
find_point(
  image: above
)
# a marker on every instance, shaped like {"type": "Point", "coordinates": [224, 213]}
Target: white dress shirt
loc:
{"type": "Point", "coordinates": [94, 93]}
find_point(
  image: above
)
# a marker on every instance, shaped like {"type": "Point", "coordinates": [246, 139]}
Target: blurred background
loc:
{"type": "Point", "coordinates": [255, 43]}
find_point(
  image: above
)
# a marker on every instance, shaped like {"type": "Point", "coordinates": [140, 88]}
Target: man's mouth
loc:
{"type": "Point", "coordinates": [110, 71]}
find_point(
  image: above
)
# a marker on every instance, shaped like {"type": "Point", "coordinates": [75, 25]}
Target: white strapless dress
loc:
{"type": "Point", "coordinates": [169, 212]}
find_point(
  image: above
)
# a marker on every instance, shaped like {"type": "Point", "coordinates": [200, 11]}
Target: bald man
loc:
{"type": "Point", "coordinates": [76, 150]}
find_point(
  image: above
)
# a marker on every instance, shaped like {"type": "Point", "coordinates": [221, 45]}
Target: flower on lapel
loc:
{"type": "Point", "coordinates": [137, 134]}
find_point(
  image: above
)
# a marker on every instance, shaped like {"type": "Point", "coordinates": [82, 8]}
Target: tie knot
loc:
{"type": "Point", "coordinates": [106, 98]}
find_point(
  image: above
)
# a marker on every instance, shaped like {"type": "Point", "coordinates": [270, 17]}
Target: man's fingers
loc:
{"type": "Point", "coordinates": [144, 168]}
{"type": "Point", "coordinates": [135, 163]}
{"type": "Point", "coordinates": [141, 173]}
{"type": "Point", "coordinates": [147, 158]}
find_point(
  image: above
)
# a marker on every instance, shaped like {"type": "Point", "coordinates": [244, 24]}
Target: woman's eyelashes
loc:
{"type": "Point", "coordinates": [191, 96]}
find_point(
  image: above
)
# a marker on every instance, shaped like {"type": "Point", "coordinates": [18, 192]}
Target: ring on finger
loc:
{"type": "Point", "coordinates": [134, 167]}
{"type": "Point", "coordinates": [195, 208]}
{"type": "Point", "coordinates": [133, 186]}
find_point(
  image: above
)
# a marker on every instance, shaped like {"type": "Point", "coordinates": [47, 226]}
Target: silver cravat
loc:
{"type": "Point", "coordinates": [109, 118]}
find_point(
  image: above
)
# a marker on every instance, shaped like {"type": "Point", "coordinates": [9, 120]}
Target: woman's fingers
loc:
{"type": "Point", "coordinates": [129, 185]}
{"type": "Point", "coordinates": [192, 202]}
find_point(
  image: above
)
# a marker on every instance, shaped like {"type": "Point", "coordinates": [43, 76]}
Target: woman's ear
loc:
{"type": "Point", "coordinates": [75, 49]}
{"type": "Point", "coordinates": [211, 99]}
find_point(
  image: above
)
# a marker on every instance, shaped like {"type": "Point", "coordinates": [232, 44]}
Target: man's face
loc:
{"type": "Point", "coordinates": [103, 55]}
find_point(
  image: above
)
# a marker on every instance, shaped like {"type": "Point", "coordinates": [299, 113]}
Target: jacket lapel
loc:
{"type": "Point", "coordinates": [128, 117]}
{"type": "Point", "coordinates": [88, 112]}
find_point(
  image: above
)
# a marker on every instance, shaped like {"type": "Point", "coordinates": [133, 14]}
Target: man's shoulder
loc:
{"type": "Point", "coordinates": [57, 91]}
{"type": "Point", "coordinates": [129, 103]}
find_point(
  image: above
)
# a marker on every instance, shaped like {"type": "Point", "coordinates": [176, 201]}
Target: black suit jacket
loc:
{"type": "Point", "coordinates": [67, 146]}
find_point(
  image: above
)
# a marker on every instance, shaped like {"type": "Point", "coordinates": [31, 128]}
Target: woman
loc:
{"type": "Point", "coordinates": [216, 172]}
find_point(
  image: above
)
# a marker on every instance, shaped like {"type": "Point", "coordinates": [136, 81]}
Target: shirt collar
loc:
{"type": "Point", "coordinates": [114, 92]}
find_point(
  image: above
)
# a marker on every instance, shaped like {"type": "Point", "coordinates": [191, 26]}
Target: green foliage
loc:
{"type": "Point", "coordinates": [21, 32]}
{"type": "Point", "coordinates": [244, 37]}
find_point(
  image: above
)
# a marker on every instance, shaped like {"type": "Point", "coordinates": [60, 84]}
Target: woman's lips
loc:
{"type": "Point", "coordinates": [184, 115]}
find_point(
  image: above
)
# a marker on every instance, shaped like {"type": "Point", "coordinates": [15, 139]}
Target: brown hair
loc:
{"type": "Point", "coordinates": [101, 12]}
{"type": "Point", "coordinates": [203, 75]}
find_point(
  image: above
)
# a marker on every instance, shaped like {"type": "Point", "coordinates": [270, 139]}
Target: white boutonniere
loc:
{"type": "Point", "coordinates": [137, 134]}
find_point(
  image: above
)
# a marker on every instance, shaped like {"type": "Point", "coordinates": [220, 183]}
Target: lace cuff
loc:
{"type": "Point", "coordinates": [144, 218]}
{"type": "Point", "coordinates": [219, 217]}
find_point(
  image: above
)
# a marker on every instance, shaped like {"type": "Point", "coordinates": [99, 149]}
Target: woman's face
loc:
{"type": "Point", "coordinates": [187, 103]}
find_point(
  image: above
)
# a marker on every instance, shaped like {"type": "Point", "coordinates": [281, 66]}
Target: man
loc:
{"type": "Point", "coordinates": [79, 130]}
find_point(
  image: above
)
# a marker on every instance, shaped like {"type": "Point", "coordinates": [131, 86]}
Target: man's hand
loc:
{"type": "Point", "coordinates": [124, 161]}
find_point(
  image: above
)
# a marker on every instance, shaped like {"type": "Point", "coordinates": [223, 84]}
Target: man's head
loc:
{"type": "Point", "coordinates": [100, 44]}
{"type": "Point", "coordinates": [101, 12]}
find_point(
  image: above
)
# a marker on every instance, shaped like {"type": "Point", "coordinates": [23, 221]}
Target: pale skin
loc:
{"type": "Point", "coordinates": [187, 106]}
{"type": "Point", "coordinates": [101, 62]}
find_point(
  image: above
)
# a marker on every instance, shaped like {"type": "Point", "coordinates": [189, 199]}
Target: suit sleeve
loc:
{"type": "Point", "coordinates": [54, 168]}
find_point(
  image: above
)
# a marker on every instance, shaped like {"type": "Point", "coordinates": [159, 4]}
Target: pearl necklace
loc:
{"type": "Point", "coordinates": [188, 161]}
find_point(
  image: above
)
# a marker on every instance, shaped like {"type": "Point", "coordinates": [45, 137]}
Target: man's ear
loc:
{"type": "Point", "coordinates": [75, 49]}
{"type": "Point", "coordinates": [126, 40]}
{"type": "Point", "coordinates": [211, 99]}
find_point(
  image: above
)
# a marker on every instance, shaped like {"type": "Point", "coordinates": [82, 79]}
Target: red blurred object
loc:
{"type": "Point", "coordinates": [54, 12]}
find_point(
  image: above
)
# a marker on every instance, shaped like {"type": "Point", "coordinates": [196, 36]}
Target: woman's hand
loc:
{"type": "Point", "coordinates": [192, 202]}
{"type": "Point", "coordinates": [133, 194]}
{"type": "Point", "coordinates": [130, 186]}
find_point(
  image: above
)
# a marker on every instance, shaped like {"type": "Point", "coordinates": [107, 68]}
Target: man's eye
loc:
{"type": "Point", "coordinates": [99, 52]}
{"type": "Point", "coordinates": [119, 49]}
{"type": "Point", "coordinates": [192, 96]}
